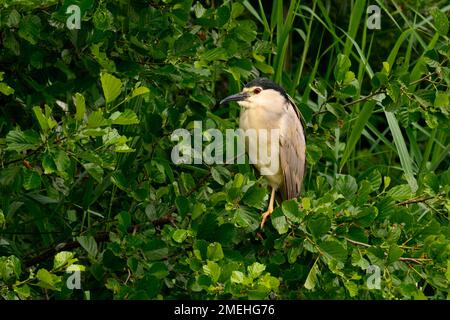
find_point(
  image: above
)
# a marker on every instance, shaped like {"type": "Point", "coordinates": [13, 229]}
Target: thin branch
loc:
{"type": "Point", "coordinates": [416, 200]}
{"type": "Point", "coordinates": [364, 98]}
{"type": "Point", "coordinates": [407, 259]}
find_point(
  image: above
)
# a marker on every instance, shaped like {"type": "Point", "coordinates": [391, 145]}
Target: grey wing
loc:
{"type": "Point", "coordinates": [292, 152]}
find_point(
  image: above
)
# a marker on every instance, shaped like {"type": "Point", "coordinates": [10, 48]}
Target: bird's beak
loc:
{"type": "Point", "coordinates": [235, 97]}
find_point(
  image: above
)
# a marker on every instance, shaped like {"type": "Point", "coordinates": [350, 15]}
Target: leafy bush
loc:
{"type": "Point", "coordinates": [87, 182]}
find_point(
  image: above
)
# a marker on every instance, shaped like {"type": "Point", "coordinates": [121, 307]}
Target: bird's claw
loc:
{"type": "Point", "coordinates": [264, 218]}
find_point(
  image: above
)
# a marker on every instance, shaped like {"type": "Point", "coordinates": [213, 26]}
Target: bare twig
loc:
{"type": "Point", "coordinates": [406, 259]}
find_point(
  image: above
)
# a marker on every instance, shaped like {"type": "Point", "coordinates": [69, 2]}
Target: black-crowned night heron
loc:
{"type": "Point", "coordinates": [266, 106]}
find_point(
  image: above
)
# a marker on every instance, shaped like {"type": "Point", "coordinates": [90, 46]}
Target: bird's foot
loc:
{"type": "Point", "coordinates": [265, 216]}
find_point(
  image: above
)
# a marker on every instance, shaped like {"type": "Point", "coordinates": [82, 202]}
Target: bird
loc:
{"type": "Point", "coordinates": [266, 106]}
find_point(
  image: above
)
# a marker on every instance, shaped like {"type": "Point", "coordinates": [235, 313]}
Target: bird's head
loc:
{"type": "Point", "coordinates": [259, 93]}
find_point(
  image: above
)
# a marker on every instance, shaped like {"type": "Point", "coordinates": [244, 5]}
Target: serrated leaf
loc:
{"type": "Point", "coordinates": [23, 291]}
{"type": "Point", "coordinates": [440, 21]}
{"type": "Point", "coordinates": [31, 180]}
{"type": "Point", "coordinates": [255, 270]}
{"type": "Point", "coordinates": [119, 180]}
{"type": "Point", "coordinates": [279, 221]}
{"type": "Point", "coordinates": [255, 197]}
{"type": "Point", "coordinates": [291, 210]}
{"type": "Point", "coordinates": [400, 193]}
{"type": "Point", "coordinates": [45, 121]}
{"type": "Point", "coordinates": [19, 141]}
{"type": "Point", "coordinates": [442, 100]}
{"type": "Point", "coordinates": [94, 170]}
{"type": "Point", "coordinates": [61, 159]}
{"type": "Point", "coordinates": [80, 106]}
{"type": "Point", "coordinates": [395, 252]}
{"type": "Point", "coordinates": [89, 244]}
{"type": "Point", "coordinates": [111, 86]}
{"type": "Point", "coordinates": [48, 280]}
{"type": "Point", "coordinates": [334, 249]}
{"type": "Point", "coordinates": [342, 66]}
{"type": "Point", "coordinates": [139, 91]}
{"type": "Point", "coordinates": [319, 224]}
{"type": "Point", "coordinates": [62, 258]}
{"type": "Point", "coordinates": [214, 251]}
{"type": "Point", "coordinates": [126, 117]}
{"type": "Point", "coordinates": [96, 119]}
{"type": "Point", "coordinates": [215, 54]}
{"type": "Point", "coordinates": [346, 185]}
{"type": "Point", "coordinates": [311, 279]}
{"type": "Point", "coordinates": [237, 277]}
{"type": "Point", "coordinates": [213, 270]}
{"type": "Point", "coordinates": [180, 235]}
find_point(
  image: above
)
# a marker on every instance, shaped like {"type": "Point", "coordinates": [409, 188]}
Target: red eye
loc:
{"type": "Point", "coordinates": [256, 90]}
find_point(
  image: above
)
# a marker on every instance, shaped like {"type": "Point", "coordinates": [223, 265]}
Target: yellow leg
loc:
{"type": "Point", "coordinates": [270, 209]}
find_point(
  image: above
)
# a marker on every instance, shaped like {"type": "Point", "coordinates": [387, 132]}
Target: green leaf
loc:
{"type": "Point", "coordinates": [124, 221]}
{"type": "Point", "coordinates": [124, 118]}
{"type": "Point", "coordinates": [263, 67]}
{"type": "Point", "coordinates": [62, 160]}
{"type": "Point", "coordinates": [48, 164]}
{"type": "Point", "coordinates": [215, 54]}
{"type": "Point", "coordinates": [293, 253]}
{"type": "Point", "coordinates": [279, 221]}
{"type": "Point", "coordinates": [10, 268]}
{"type": "Point", "coordinates": [212, 269]}
{"type": "Point", "coordinates": [440, 21]}
{"type": "Point", "coordinates": [342, 66]}
{"type": "Point", "coordinates": [183, 205]}
{"type": "Point", "coordinates": [214, 252]}
{"type": "Point", "coordinates": [291, 210]}
{"type": "Point", "coordinates": [48, 280]}
{"type": "Point", "coordinates": [180, 235]}
{"type": "Point", "coordinates": [401, 192]}
{"type": "Point", "coordinates": [95, 171]}
{"type": "Point", "coordinates": [5, 89]}
{"type": "Point", "coordinates": [442, 100]}
{"type": "Point", "coordinates": [158, 270]}
{"type": "Point", "coordinates": [62, 258]}
{"type": "Point", "coordinates": [89, 244]}
{"type": "Point", "coordinates": [255, 270]}
{"type": "Point", "coordinates": [319, 224]}
{"type": "Point", "coordinates": [311, 279]}
{"type": "Point", "coordinates": [246, 219]}
{"type": "Point", "coordinates": [139, 91]}
{"type": "Point", "coordinates": [237, 277]}
{"type": "Point", "coordinates": [346, 185]}
{"type": "Point", "coordinates": [2, 219]}
{"type": "Point", "coordinates": [395, 252]}
{"type": "Point", "coordinates": [19, 141]}
{"type": "Point", "coordinates": [156, 250]}
{"type": "Point", "coordinates": [217, 176]}
{"type": "Point", "coordinates": [334, 249]}
{"type": "Point", "coordinates": [255, 197]}
{"type": "Point", "coordinates": [23, 291]}
{"type": "Point", "coordinates": [245, 31]}
{"type": "Point", "coordinates": [119, 180]}
{"type": "Point", "coordinates": [96, 119]}
{"type": "Point", "coordinates": [447, 273]}
{"type": "Point", "coordinates": [80, 106]}
{"type": "Point", "coordinates": [111, 87]}
{"type": "Point", "coordinates": [45, 121]}
{"type": "Point", "coordinates": [31, 180]}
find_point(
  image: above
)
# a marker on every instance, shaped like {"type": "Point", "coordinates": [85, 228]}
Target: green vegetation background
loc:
{"type": "Point", "coordinates": [86, 177]}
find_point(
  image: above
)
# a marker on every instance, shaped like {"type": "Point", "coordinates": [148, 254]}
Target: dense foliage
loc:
{"type": "Point", "coordinates": [87, 181]}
